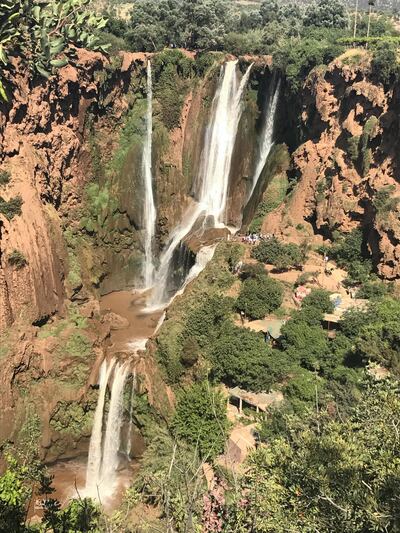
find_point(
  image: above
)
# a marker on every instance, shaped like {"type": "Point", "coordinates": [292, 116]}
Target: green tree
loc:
{"type": "Point", "coordinates": [331, 475]}
{"type": "Point", "coordinates": [305, 343]}
{"type": "Point", "coordinates": [384, 64]}
{"type": "Point", "coordinates": [240, 357]}
{"type": "Point", "coordinates": [259, 296]}
{"type": "Point", "coordinates": [319, 299]}
{"type": "Point", "coordinates": [326, 14]}
{"type": "Point", "coordinates": [200, 419]}
{"type": "Point", "coordinates": [282, 256]}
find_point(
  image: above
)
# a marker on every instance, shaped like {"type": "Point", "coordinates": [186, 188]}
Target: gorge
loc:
{"type": "Point", "coordinates": [160, 214]}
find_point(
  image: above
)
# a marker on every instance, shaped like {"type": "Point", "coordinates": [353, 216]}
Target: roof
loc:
{"type": "Point", "coordinates": [262, 400]}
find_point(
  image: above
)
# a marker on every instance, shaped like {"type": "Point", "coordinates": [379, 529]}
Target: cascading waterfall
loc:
{"type": "Point", "coordinates": [215, 165]}
{"type": "Point", "coordinates": [112, 437]}
{"type": "Point", "coordinates": [267, 133]}
{"type": "Point", "coordinates": [103, 450]}
{"type": "Point", "coordinates": [149, 209]}
{"type": "Point", "coordinates": [93, 468]}
{"type": "Point", "coordinates": [211, 187]}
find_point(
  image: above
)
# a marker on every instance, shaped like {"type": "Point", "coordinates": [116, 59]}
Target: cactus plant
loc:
{"type": "Point", "coordinates": [47, 32]}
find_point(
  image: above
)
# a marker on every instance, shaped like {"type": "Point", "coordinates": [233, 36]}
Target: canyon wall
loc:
{"type": "Point", "coordinates": [71, 221]}
{"type": "Point", "coordinates": [346, 172]}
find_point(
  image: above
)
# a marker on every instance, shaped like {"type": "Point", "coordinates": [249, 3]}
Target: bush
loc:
{"type": "Point", "coordinates": [204, 322]}
{"type": "Point", "coordinates": [373, 289]}
{"type": "Point", "coordinates": [384, 64]}
{"type": "Point", "coordinates": [240, 357]}
{"type": "Point", "coordinates": [5, 177]}
{"type": "Point", "coordinates": [384, 202]}
{"type": "Point", "coordinates": [305, 343]}
{"type": "Point", "coordinates": [17, 259]}
{"type": "Point", "coordinates": [252, 270]}
{"type": "Point", "coordinates": [259, 296]}
{"type": "Point", "coordinates": [348, 254]}
{"type": "Point", "coordinates": [319, 299]}
{"type": "Point", "coordinates": [11, 208]}
{"type": "Point", "coordinates": [200, 419]}
{"type": "Point", "coordinates": [282, 256]}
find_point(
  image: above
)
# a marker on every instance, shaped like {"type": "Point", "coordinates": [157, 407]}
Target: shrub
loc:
{"type": "Point", "coordinates": [11, 208]}
{"type": "Point", "coordinates": [348, 253]}
{"type": "Point", "coordinates": [17, 259]}
{"type": "Point", "coordinates": [282, 256]}
{"type": "Point", "coordinates": [373, 289]}
{"type": "Point", "coordinates": [241, 358]}
{"type": "Point", "coordinates": [384, 202]}
{"type": "Point", "coordinates": [305, 343]}
{"type": "Point", "coordinates": [384, 64]}
{"type": "Point", "coordinates": [233, 254]}
{"type": "Point", "coordinates": [252, 270]}
{"type": "Point", "coordinates": [319, 299]}
{"type": "Point", "coordinates": [259, 296]}
{"type": "Point", "coordinates": [204, 322]}
{"type": "Point", "coordinates": [200, 419]}
{"type": "Point", "coordinates": [5, 177]}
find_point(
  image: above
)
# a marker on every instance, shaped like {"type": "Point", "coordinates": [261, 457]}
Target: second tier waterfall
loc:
{"type": "Point", "coordinates": [104, 445]}
{"type": "Point", "coordinates": [212, 181]}
{"type": "Point", "coordinates": [149, 208]}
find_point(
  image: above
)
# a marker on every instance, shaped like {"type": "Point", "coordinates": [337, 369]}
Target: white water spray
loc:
{"type": "Point", "coordinates": [112, 438]}
{"type": "Point", "coordinates": [158, 298]}
{"type": "Point", "coordinates": [95, 449]}
{"type": "Point", "coordinates": [216, 158]}
{"type": "Point", "coordinates": [103, 458]}
{"type": "Point", "coordinates": [267, 134]}
{"type": "Point", "coordinates": [212, 183]}
{"type": "Point", "coordinates": [149, 213]}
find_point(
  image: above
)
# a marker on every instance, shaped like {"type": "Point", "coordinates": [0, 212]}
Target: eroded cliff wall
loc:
{"type": "Point", "coordinates": [346, 172]}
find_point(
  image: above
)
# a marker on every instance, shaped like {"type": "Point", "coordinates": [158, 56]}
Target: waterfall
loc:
{"type": "Point", "coordinates": [212, 181]}
{"type": "Point", "coordinates": [160, 292]}
{"type": "Point", "coordinates": [103, 451]}
{"type": "Point", "coordinates": [129, 435]}
{"type": "Point", "coordinates": [267, 134]}
{"type": "Point", "coordinates": [149, 213]}
{"type": "Point", "coordinates": [112, 436]}
{"type": "Point", "coordinates": [216, 158]}
{"type": "Point", "coordinates": [95, 447]}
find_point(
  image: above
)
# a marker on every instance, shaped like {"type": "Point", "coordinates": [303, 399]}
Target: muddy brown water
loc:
{"type": "Point", "coordinates": [70, 475]}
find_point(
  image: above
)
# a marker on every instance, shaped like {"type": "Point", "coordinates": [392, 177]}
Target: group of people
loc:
{"type": "Point", "coordinates": [254, 238]}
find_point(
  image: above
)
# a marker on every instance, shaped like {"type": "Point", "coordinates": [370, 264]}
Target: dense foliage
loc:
{"type": "Point", "coordinates": [327, 474]}
{"type": "Point", "coordinates": [259, 296]}
{"type": "Point", "coordinates": [282, 256]}
{"type": "Point", "coordinates": [200, 419]}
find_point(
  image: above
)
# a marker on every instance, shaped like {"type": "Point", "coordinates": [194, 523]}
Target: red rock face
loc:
{"type": "Point", "coordinates": [43, 147]}
{"type": "Point", "coordinates": [333, 191]}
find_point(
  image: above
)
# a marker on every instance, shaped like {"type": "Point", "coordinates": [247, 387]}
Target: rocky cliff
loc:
{"type": "Point", "coordinates": [71, 218]}
{"type": "Point", "coordinates": [346, 172]}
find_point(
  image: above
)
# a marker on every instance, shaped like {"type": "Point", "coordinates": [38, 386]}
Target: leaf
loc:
{"type": "Point", "coordinates": [42, 71]}
{"type": "Point", "coordinates": [36, 13]}
{"type": "Point", "coordinates": [3, 93]}
{"type": "Point", "coordinates": [102, 23]}
{"type": "Point", "coordinates": [58, 63]}
{"type": "Point", "coordinates": [3, 55]}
